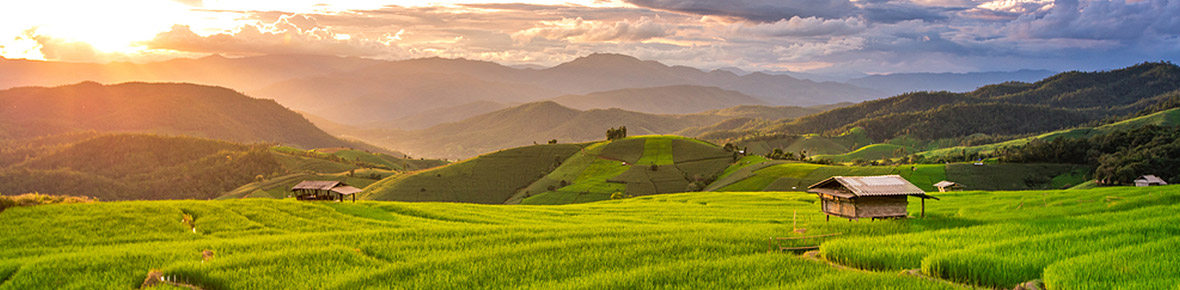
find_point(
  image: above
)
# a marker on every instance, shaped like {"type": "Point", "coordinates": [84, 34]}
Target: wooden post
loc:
{"type": "Point", "coordinates": [923, 208]}
{"type": "Point", "coordinates": [794, 221]}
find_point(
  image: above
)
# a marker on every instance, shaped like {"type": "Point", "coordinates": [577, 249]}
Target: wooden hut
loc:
{"type": "Point", "coordinates": [1149, 180]}
{"type": "Point", "coordinates": [324, 190]}
{"type": "Point", "coordinates": [873, 197]}
{"type": "Point", "coordinates": [947, 185]}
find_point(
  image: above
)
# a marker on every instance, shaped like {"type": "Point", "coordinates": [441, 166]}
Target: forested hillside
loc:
{"type": "Point", "coordinates": [1061, 101]}
{"type": "Point", "coordinates": [140, 166]}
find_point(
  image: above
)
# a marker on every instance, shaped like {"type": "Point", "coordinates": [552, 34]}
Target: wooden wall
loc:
{"type": "Point", "coordinates": [881, 206]}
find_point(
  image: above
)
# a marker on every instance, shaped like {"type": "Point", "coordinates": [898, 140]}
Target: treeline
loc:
{"type": "Point", "coordinates": [1120, 156]}
{"type": "Point", "coordinates": [124, 167]}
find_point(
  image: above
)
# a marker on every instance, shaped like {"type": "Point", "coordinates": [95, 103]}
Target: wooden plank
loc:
{"type": "Point", "coordinates": [807, 237]}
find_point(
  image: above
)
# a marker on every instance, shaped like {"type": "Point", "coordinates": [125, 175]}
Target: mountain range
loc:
{"type": "Point", "coordinates": [539, 122]}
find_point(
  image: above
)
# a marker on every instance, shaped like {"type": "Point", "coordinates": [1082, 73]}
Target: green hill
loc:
{"type": "Point", "coordinates": [159, 108]}
{"type": "Point", "coordinates": [564, 173]}
{"type": "Point", "coordinates": [810, 144]}
{"type": "Point", "coordinates": [280, 187]}
{"type": "Point", "coordinates": [870, 152]}
{"type": "Point", "coordinates": [121, 167]}
{"type": "Point", "coordinates": [490, 178]}
{"type": "Point", "coordinates": [1168, 118]}
{"type": "Point", "coordinates": [634, 166]}
{"type": "Point", "coordinates": [797, 176]}
{"type": "Point", "coordinates": [140, 166]}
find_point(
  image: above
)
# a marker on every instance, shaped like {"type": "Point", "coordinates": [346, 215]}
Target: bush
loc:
{"type": "Point", "coordinates": [31, 199]}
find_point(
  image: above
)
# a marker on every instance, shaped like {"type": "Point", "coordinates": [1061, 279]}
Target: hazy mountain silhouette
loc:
{"type": "Point", "coordinates": [542, 121]}
{"type": "Point", "coordinates": [680, 99]}
{"type": "Point", "coordinates": [245, 73]}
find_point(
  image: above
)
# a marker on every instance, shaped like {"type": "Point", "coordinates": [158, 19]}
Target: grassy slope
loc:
{"type": "Point", "coordinates": [811, 144]}
{"type": "Point", "coordinates": [280, 187]}
{"type": "Point", "coordinates": [796, 176]}
{"type": "Point", "coordinates": [490, 178]}
{"type": "Point", "coordinates": [626, 166]}
{"type": "Point", "coordinates": [870, 152]}
{"type": "Point", "coordinates": [704, 240]}
{"type": "Point", "coordinates": [387, 160]}
{"type": "Point", "coordinates": [1165, 118]}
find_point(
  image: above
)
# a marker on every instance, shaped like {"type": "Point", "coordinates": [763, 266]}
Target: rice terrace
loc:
{"type": "Point", "coordinates": [590, 144]}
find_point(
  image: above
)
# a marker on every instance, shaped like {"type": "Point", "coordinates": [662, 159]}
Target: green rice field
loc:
{"type": "Point", "coordinates": [1101, 238]}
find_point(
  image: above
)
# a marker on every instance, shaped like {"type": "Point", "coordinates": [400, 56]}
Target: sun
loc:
{"type": "Point", "coordinates": [106, 26]}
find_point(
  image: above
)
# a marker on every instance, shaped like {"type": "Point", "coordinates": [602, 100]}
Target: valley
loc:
{"type": "Point", "coordinates": [603, 172]}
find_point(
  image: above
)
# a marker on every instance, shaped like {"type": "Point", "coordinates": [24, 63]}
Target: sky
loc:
{"type": "Point", "coordinates": [817, 36]}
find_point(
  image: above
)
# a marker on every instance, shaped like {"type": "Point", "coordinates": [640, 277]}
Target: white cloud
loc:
{"type": "Point", "coordinates": [810, 26]}
{"type": "Point", "coordinates": [580, 30]}
{"type": "Point", "coordinates": [290, 34]}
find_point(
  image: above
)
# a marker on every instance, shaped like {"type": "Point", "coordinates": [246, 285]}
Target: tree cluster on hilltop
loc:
{"type": "Point", "coordinates": [1120, 156]}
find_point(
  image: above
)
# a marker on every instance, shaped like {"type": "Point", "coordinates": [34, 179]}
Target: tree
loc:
{"type": "Point", "coordinates": [616, 133]}
{"type": "Point", "coordinates": [553, 141]}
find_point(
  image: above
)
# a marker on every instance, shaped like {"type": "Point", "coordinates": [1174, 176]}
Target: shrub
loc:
{"type": "Point", "coordinates": [31, 199]}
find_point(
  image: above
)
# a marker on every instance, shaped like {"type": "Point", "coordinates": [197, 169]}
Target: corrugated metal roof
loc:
{"type": "Point", "coordinates": [318, 185]}
{"type": "Point", "coordinates": [945, 183]}
{"type": "Point", "coordinates": [346, 190]}
{"type": "Point", "coordinates": [883, 185]}
{"type": "Point", "coordinates": [1152, 179]}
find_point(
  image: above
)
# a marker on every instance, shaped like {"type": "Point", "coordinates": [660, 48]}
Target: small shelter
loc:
{"type": "Point", "coordinates": [324, 190]}
{"type": "Point", "coordinates": [947, 185]}
{"type": "Point", "coordinates": [1149, 180]}
{"type": "Point", "coordinates": [867, 196]}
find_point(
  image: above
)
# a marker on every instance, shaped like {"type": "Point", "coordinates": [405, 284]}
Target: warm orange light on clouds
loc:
{"type": "Point", "coordinates": [115, 30]}
{"type": "Point", "coordinates": [833, 35]}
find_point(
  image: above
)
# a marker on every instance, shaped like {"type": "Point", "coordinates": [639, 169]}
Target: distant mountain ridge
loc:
{"type": "Point", "coordinates": [162, 108]}
{"type": "Point", "coordinates": [680, 99]}
{"type": "Point", "coordinates": [247, 73]}
{"type": "Point", "coordinates": [359, 91]}
{"type": "Point", "coordinates": [898, 83]}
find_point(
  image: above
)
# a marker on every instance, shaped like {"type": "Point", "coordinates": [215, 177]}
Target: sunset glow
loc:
{"type": "Point", "coordinates": [845, 36]}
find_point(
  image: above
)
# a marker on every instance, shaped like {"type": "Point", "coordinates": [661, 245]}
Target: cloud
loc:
{"type": "Point", "coordinates": [290, 34]}
{"type": "Point", "coordinates": [811, 50]}
{"type": "Point", "coordinates": [887, 11]}
{"type": "Point", "coordinates": [1100, 20]}
{"type": "Point", "coordinates": [756, 10]}
{"type": "Point", "coordinates": [580, 30]}
{"type": "Point", "coordinates": [833, 35]}
{"type": "Point", "coordinates": [810, 26]}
